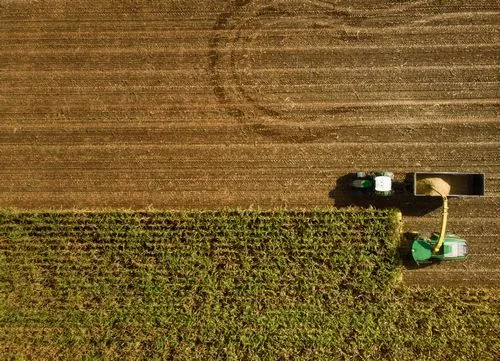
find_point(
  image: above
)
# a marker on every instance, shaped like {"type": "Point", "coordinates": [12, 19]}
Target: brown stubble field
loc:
{"type": "Point", "coordinates": [210, 104]}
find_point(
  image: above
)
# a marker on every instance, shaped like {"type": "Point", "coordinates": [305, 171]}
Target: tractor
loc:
{"type": "Point", "coordinates": [374, 183]}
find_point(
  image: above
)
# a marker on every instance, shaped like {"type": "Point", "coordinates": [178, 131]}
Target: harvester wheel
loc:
{"type": "Point", "coordinates": [412, 234]}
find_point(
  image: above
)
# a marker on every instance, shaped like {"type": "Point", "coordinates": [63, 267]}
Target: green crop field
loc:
{"type": "Point", "coordinates": [226, 285]}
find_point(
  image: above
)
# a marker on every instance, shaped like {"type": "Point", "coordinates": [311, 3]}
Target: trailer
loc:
{"type": "Point", "coordinates": [461, 184]}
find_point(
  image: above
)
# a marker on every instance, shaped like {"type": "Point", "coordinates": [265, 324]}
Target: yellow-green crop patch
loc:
{"type": "Point", "coordinates": [319, 284]}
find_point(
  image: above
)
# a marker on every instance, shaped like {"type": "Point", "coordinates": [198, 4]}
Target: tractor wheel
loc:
{"type": "Point", "coordinates": [388, 174]}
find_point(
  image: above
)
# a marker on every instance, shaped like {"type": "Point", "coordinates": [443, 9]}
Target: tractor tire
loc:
{"type": "Point", "coordinates": [388, 174]}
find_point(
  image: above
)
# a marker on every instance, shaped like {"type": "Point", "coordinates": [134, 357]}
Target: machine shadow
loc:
{"type": "Point", "coordinates": [409, 264]}
{"type": "Point", "coordinates": [343, 195]}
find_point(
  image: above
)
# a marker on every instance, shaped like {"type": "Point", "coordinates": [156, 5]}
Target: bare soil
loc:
{"type": "Point", "coordinates": [209, 104]}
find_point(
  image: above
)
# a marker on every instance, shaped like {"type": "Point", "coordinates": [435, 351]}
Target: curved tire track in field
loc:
{"type": "Point", "coordinates": [263, 63]}
{"type": "Point", "coordinates": [229, 44]}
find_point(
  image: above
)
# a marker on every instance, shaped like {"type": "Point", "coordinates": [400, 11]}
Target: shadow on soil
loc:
{"type": "Point", "coordinates": [409, 264]}
{"type": "Point", "coordinates": [403, 199]}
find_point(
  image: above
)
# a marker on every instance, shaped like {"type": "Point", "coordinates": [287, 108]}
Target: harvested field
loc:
{"type": "Point", "coordinates": [226, 285]}
{"type": "Point", "coordinates": [209, 104]}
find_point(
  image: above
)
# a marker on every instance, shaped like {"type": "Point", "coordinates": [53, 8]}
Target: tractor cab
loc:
{"type": "Point", "coordinates": [383, 183]}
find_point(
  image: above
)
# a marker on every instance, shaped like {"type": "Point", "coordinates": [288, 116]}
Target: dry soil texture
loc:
{"type": "Point", "coordinates": [208, 104]}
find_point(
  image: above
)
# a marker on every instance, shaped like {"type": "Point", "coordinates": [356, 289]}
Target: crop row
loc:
{"type": "Point", "coordinates": [245, 284]}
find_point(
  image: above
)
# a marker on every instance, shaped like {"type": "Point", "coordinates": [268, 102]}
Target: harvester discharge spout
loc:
{"type": "Point", "coordinates": [444, 221]}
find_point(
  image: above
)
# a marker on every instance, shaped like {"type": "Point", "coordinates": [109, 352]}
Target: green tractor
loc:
{"type": "Point", "coordinates": [374, 183]}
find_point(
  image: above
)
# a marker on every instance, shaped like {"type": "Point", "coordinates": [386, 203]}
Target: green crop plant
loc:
{"type": "Point", "coordinates": [225, 285]}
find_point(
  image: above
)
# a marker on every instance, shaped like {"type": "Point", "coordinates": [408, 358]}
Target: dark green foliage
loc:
{"type": "Point", "coordinates": [224, 285]}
